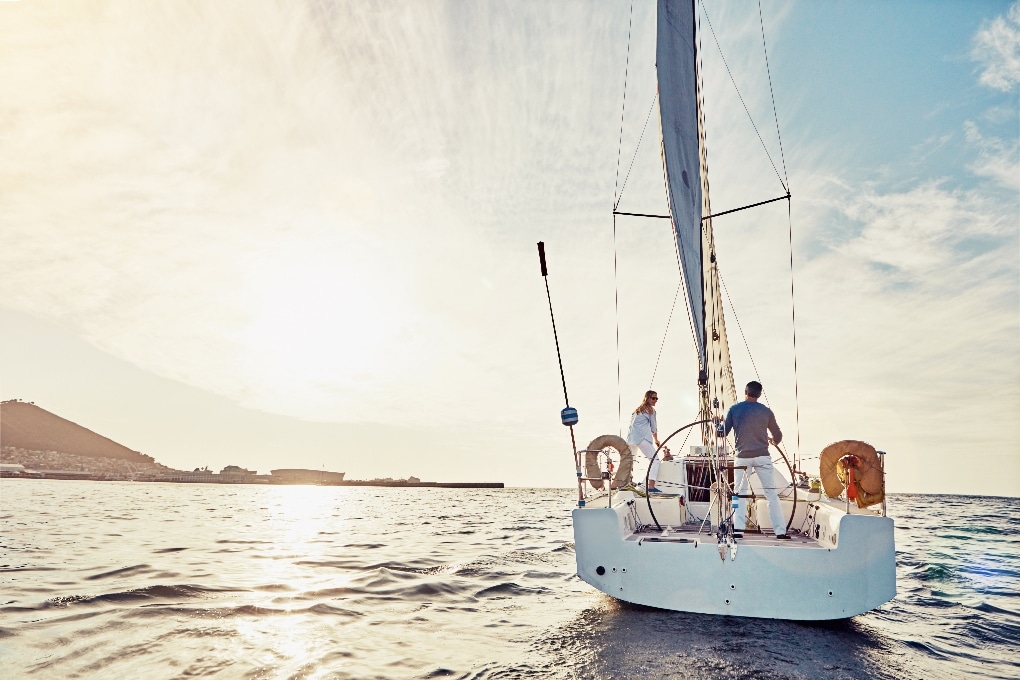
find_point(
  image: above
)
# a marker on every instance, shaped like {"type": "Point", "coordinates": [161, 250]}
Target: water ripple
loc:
{"type": "Point", "coordinates": [360, 582]}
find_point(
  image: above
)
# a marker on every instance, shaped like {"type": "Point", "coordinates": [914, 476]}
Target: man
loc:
{"type": "Point", "coordinates": [750, 420]}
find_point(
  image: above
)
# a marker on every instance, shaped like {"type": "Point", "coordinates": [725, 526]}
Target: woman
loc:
{"type": "Point", "coordinates": [643, 435]}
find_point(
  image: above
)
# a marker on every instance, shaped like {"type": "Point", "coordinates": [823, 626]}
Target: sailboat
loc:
{"type": "Point", "coordinates": [678, 549]}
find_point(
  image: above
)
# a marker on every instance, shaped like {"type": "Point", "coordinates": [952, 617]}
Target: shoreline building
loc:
{"type": "Point", "coordinates": [301, 476]}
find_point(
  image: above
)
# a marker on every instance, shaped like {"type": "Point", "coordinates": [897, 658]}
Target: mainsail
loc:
{"type": "Point", "coordinates": [676, 64]}
{"type": "Point", "coordinates": [687, 183]}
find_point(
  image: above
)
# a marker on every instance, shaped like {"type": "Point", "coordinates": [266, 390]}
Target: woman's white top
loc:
{"type": "Point", "coordinates": [642, 427]}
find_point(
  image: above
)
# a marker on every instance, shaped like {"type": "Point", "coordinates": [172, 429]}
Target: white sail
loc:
{"type": "Point", "coordinates": [676, 64]}
{"type": "Point", "coordinates": [687, 181]}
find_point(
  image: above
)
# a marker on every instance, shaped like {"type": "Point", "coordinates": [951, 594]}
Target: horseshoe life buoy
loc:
{"type": "Point", "coordinates": [591, 460]}
{"type": "Point", "coordinates": [852, 466]}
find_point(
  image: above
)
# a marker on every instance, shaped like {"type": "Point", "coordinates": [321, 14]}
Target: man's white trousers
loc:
{"type": "Point", "coordinates": [761, 466]}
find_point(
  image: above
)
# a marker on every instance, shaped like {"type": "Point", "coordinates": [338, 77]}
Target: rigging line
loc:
{"type": "Point", "coordinates": [616, 203]}
{"type": "Point", "coordinates": [740, 328]}
{"type": "Point", "coordinates": [616, 190]}
{"type": "Point", "coordinates": [775, 115]}
{"type": "Point", "coordinates": [741, 97]}
{"type": "Point", "coordinates": [743, 337]}
{"type": "Point", "coordinates": [705, 230]}
{"type": "Point", "coordinates": [630, 214]}
{"type": "Point", "coordinates": [623, 110]}
{"type": "Point", "coordinates": [708, 393]}
{"type": "Point", "coordinates": [616, 302]}
{"type": "Point", "coordinates": [793, 319]}
{"type": "Point", "coordinates": [681, 449]}
{"type": "Point", "coordinates": [665, 333]}
{"type": "Point", "coordinates": [785, 197]}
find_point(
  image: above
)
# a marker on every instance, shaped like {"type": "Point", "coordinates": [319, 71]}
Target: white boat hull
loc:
{"type": "Point", "coordinates": [848, 569]}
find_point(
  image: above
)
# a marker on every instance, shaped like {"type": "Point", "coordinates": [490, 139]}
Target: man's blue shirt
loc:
{"type": "Point", "coordinates": [750, 420]}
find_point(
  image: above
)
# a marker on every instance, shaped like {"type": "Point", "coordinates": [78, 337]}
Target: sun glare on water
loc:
{"type": "Point", "coordinates": [302, 523]}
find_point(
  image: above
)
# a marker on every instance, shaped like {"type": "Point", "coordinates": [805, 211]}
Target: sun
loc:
{"type": "Point", "coordinates": [319, 322]}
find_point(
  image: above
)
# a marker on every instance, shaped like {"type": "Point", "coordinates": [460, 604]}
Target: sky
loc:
{"type": "Point", "coordinates": [281, 233]}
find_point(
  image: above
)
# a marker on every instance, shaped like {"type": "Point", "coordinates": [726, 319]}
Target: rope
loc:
{"type": "Point", "coordinates": [739, 326]}
{"type": "Point", "coordinates": [789, 218]}
{"type": "Point", "coordinates": [664, 334]}
{"type": "Point", "coordinates": [616, 192]}
{"type": "Point", "coordinates": [707, 403]}
{"type": "Point", "coordinates": [775, 115]}
{"type": "Point", "coordinates": [616, 303]}
{"type": "Point", "coordinates": [684, 445]}
{"type": "Point", "coordinates": [741, 97]}
{"type": "Point", "coordinates": [784, 180]}
{"type": "Point", "coordinates": [623, 109]}
{"type": "Point", "coordinates": [793, 319]}
{"type": "Point", "coordinates": [633, 158]}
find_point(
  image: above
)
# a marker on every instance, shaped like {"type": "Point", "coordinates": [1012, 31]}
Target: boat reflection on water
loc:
{"type": "Point", "coordinates": [622, 640]}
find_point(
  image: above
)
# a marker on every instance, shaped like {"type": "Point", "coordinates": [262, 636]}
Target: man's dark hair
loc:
{"type": "Point", "coordinates": [753, 389]}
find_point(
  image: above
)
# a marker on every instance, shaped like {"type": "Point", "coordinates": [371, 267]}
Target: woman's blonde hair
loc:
{"type": "Point", "coordinates": [646, 406]}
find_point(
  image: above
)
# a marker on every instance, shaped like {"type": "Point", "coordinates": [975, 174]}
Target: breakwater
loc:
{"type": "Point", "coordinates": [438, 485]}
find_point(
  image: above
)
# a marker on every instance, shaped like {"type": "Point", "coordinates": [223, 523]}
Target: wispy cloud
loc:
{"type": "Point", "coordinates": [907, 290]}
{"type": "Point", "coordinates": [308, 208]}
{"type": "Point", "coordinates": [997, 49]}
{"type": "Point", "coordinates": [330, 210]}
{"type": "Point", "coordinates": [924, 230]}
{"type": "Point", "coordinates": [997, 158]}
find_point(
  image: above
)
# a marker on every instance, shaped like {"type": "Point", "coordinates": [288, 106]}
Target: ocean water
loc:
{"type": "Point", "coordinates": [137, 580]}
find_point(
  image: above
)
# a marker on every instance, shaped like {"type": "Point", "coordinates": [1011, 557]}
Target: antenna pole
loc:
{"type": "Point", "coordinates": [568, 416]}
{"type": "Point", "coordinates": [566, 400]}
{"type": "Point", "coordinates": [545, 277]}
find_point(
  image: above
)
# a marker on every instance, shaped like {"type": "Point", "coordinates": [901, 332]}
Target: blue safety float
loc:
{"type": "Point", "coordinates": [569, 416]}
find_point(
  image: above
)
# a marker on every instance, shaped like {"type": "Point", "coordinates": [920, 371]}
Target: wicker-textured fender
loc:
{"type": "Point", "coordinates": [591, 460]}
{"type": "Point", "coordinates": [869, 479]}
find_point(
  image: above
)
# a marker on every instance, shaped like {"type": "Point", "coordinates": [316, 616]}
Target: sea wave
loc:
{"type": "Point", "coordinates": [360, 583]}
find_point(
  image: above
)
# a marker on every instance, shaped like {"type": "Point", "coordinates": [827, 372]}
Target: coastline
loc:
{"type": "Point", "coordinates": [70, 475]}
{"type": "Point", "coordinates": [20, 463]}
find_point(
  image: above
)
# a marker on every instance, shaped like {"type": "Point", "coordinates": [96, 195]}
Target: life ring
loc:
{"type": "Point", "coordinates": [852, 462]}
{"type": "Point", "coordinates": [593, 470]}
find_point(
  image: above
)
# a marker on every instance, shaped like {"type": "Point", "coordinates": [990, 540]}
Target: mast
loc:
{"type": "Point", "coordinates": [721, 392]}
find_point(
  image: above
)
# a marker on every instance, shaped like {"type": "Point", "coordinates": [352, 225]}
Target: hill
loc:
{"type": "Point", "coordinates": [26, 426]}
